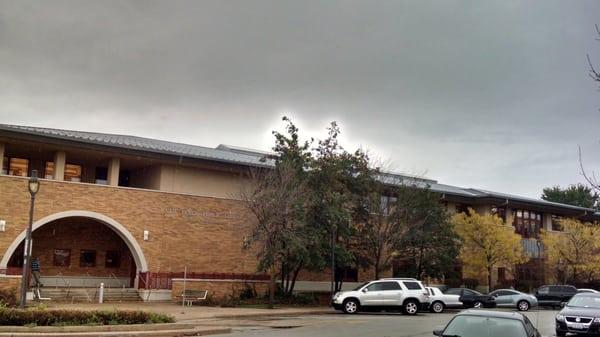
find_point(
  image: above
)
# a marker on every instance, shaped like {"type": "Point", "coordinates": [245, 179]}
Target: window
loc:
{"type": "Point", "coordinates": [391, 286]}
{"type": "Point", "coordinates": [499, 212]}
{"type": "Point", "coordinates": [101, 175]}
{"type": "Point", "coordinates": [72, 172]}
{"type": "Point", "coordinates": [556, 223]}
{"type": "Point", "coordinates": [462, 208]}
{"type": "Point", "coordinates": [501, 274]}
{"type": "Point", "coordinates": [113, 259]}
{"type": "Point", "coordinates": [18, 167]}
{"type": "Point", "coordinates": [375, 286]}
{"type": "Point", "coordinates": [387, 204]}
{"type": "Point", "coordinates": [527, 223]}
{"type": "Point", "coordinates": [543, 290]}
{"type": "Point", "coordinates": [62, 257]}
{"type": "Point", "coordinates": [49, 170]}
{"type": "Point", "coordinates": [87, 258]}
{"type": "Point", "coordinates": [412, 285]}
{"type": "Point", "coordinates": [453, 291]}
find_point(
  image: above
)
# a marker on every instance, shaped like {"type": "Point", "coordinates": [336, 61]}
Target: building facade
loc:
{"type": "Point", "coordinates": [137, 212]}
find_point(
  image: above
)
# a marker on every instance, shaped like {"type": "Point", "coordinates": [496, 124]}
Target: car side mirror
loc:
{"type": "Point", "coordinates": [562, 304]}
{"type": "Point", "coordinates": [365, 290]}
{"type": "Point", "coordinates": [437, 332]}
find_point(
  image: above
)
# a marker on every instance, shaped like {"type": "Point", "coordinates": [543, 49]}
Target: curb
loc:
{"type": "Point", "coordinates": [274, 314]}
{"type": "Point", "coordinates": [96, 328]}
{"type": "Point", "coordinates": [198, 331]}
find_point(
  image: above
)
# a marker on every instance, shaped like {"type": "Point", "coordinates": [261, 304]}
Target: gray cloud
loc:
{"type": "Point", "coordinates": [482, 94]}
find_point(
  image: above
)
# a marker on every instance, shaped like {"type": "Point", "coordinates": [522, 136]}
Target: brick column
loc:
{"type": "Point", "coordinates": [1, 157]}
{"type": "Point", "coordinates": [114, 166]}
{"type": "Point", "coordinates": [60, 159]}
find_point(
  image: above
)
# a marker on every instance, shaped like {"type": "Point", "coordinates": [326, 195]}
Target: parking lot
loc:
{"type": "Point", "coordinates": [364, 324]}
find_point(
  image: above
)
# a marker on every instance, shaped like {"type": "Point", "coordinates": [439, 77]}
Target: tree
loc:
{"type": "Point", "coordinates": [338, 180]}
{"type": "Point", "coordinates": [377, 232]}
{"type": "Point", "coordinates": [486, 243]}
{"type": "Point", "coordinates": [573, 252]}
{"type": "Point", "coordinates": [595, 75]}
{"type": "Point", "coordinates": [277, 198]}
{"type": "Point", "coordinates": [429, 242]}
{"type": "Point", "coordinates": [576, 195]}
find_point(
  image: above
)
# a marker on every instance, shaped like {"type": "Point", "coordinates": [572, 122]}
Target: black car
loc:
{"type": "Point", "coordinates": [581, 315]}
{"type": "Point", "coordinates": [554, 295]}
{"type": "Point", "coordinates": [478, 323]}
{"type": "Point", "coordinates": [471, 298]}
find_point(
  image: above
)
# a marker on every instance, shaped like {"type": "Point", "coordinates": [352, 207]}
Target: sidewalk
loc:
{"type": "Point", "coordinates": [181, 313]}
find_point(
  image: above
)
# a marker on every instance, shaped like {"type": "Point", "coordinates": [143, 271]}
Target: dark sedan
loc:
{"type": "Point", "coordinates": [471, 298]}
{"type": "Point", "coordinates": [480, 323]}
{"type": "Point", "coordinates": [581, 315]}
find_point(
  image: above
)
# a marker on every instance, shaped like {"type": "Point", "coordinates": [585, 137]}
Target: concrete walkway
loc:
{"type": "Point", "coordinates": [196, 312]}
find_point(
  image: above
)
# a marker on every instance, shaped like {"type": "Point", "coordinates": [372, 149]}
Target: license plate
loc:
{"type": "Point", "coordinates": [578, 326]}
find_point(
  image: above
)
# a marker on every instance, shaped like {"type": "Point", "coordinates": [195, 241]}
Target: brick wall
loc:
{"type": "Point", "coordinates": [11, 283]}
{"type": "Point", "coordinates": [77, 234]}
{"type": "Point", "coordinates": [218, 290]}
{"type": "Point", "coordinates": [205, 234]}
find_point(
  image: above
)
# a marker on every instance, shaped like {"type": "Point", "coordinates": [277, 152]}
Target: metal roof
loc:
{"type": "Point", "coordinates": [144, 144]}
{"type": "Point", "coordinates": [250, 157]}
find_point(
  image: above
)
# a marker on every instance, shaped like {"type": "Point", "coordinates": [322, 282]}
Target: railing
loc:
{"type": "Point", "coordinates": [164, 280]}
{"type": "Point", "coordinates": [532, 247]}
{"type": "Point", "coordinates": [60, 276]}
{"type": "Point", "coordinates": [122, 285]}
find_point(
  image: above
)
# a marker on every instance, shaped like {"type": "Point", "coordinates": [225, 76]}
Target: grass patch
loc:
{"type": "Point", "coordinates": [52, 317]}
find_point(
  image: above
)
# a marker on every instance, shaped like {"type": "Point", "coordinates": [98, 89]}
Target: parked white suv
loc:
{"type": "Point", "coordinates": [407, 294]}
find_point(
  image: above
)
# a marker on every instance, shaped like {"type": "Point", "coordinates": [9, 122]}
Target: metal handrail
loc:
{"type": "Point", "coordinates": [113, 276]}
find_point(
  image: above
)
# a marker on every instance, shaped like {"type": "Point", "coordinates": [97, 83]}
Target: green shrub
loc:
{"type": "Point", "coordinates": [8, 297]}
{"type": "Point", "coordinates": [37, 317]}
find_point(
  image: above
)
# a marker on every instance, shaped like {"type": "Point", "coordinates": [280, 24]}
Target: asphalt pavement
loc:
{"type": "Point", "coordinates": [361, 325]}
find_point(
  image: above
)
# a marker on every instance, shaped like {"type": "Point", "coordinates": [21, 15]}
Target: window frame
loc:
{"type": "Point", "coordinates": [81, 262]}
{"type": "Point", "coordinates": [68, 259]}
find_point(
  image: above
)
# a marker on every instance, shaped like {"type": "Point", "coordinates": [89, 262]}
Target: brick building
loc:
{"type": "Point", "coordinates": [137, 212]}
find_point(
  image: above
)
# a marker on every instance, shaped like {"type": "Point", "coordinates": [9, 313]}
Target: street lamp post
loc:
{"type": "Point", "coordinates": [34, 186]}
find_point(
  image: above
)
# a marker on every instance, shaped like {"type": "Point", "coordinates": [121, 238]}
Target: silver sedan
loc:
{"type": "Point", "coordinates": [514, 299]}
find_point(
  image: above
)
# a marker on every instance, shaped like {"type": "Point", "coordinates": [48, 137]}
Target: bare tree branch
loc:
{"type": "Point", "coordinates": [591, 180]}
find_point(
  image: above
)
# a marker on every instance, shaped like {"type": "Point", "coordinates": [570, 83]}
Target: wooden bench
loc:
{"type": "Point", "coordinates": [191, 296]}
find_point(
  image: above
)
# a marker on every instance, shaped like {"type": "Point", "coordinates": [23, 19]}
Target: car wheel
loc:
{"type": "Point", "coordinates": [477, 304]}
{"type": "Point", "coordinates": [523, 305]}
{"type": "Point", "coordinates": [350, 306]}
{"type": "Point", "coordinates": [411, 307]}
{"type": "Point", "coordinates": [437, 307]}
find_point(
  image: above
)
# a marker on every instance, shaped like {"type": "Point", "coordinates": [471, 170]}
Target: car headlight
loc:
{"type": "Point", "coordinates": [560, 317]}
{"type": "Point", "coordinates": [597, 320]}
{"type": "Point", "coordinates": [336, 295]}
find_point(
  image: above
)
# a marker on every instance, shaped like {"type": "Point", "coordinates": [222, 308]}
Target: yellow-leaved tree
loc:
{"type": "Point", "coordinates": [573, 253]}
{"type": "Point", "coordinates": [486, 242]}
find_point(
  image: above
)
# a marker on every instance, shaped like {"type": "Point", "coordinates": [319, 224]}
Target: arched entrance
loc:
{"type": "Point", "coordinates": [82, 248]}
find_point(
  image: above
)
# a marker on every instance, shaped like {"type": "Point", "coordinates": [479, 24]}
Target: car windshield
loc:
{"type": "Point", "coordinates": [360, 286]}
{"type": "Point", "coordinates": [478, 326]}
{"type": "Point", "coordinates": [584, 302]}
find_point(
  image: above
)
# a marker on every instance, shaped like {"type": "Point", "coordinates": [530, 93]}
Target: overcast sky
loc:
{"type": "Point", "coordinates": [482, 94]}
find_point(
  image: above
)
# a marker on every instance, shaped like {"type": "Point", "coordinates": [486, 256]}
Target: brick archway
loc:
{"type": "Point", "coordinates": [134, 247]}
